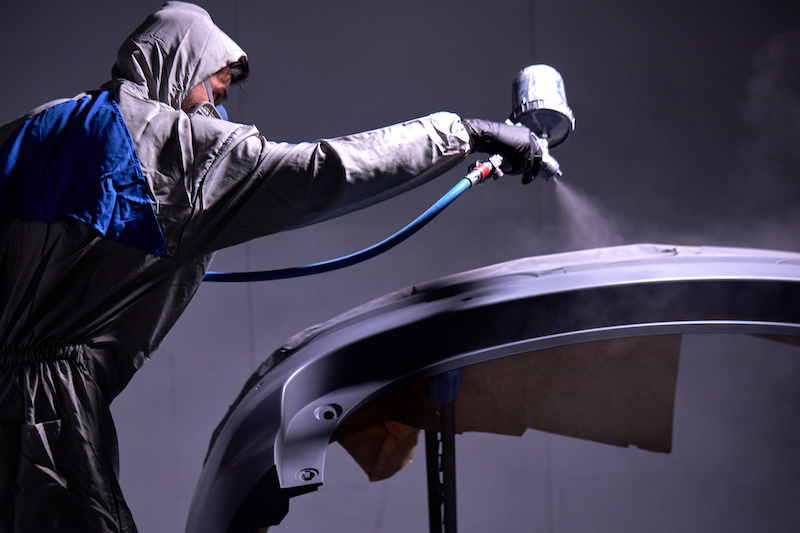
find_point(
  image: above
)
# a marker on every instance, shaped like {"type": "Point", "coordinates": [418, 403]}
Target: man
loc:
{"type": "Point", "coordinates": [111, 206]}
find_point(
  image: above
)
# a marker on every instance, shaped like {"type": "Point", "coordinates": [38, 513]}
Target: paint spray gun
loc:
{"type": "Point", "coordinates": [539, 102]}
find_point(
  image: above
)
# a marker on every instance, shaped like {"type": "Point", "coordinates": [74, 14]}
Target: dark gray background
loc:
{"type": "Point", "coordinates": [688, 123]}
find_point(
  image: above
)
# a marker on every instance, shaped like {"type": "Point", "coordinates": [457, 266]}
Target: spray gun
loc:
{"type": "Point", "coordinates": [539, 103]}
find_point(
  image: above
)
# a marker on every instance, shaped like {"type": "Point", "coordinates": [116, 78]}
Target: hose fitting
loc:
{"type": "Point", "coordinates": [483, 170]}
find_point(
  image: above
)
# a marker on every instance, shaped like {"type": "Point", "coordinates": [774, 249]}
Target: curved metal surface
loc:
{"type": "Point", "coordinates": [288, 410]}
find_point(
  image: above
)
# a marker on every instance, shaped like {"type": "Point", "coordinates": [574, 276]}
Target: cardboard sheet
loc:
{"type": "Point", "coordinates": [617, 391]}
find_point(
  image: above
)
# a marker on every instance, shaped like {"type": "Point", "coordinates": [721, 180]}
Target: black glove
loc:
{"type": "Point", "coordinates": [517, 144]}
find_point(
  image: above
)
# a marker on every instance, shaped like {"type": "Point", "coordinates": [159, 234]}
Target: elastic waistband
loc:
{"type": "Point", "coordinates": [41, 354]}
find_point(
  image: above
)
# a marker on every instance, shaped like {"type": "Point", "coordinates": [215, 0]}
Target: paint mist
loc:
{"type": "Point", "coordinates": [585, 223]}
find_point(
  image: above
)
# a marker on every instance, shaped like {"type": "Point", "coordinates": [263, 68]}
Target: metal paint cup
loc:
{"type": "Point", "coordinates": [540, 103]}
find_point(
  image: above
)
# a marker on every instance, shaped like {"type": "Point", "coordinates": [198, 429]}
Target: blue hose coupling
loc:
{"type": "Point", "coordinates": [483, 170]}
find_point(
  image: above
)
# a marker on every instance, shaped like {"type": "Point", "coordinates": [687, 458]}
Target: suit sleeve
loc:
{"type": "Point", "coordinates": [254, 187]}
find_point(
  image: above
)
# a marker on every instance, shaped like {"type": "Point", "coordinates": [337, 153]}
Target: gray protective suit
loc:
{"type": "Point", "coordinates": [81, 312]}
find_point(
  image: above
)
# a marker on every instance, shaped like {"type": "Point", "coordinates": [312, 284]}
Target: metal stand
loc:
{"type": "Point", "coordinates": [440, 455]}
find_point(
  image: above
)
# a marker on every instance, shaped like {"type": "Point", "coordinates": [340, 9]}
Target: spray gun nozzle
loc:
{"type": "Point", "coordinates": [548, 167]}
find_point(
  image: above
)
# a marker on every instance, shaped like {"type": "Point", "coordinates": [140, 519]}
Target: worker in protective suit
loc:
{"type": "Point", "coordinates": [111, 206]}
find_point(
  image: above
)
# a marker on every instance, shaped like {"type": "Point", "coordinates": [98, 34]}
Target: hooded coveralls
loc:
{"type": "Point", "coordinates": [111, 206]}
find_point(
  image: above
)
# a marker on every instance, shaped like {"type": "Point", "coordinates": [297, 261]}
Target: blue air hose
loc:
{"type": "Point", "coordinates": [481, 171]}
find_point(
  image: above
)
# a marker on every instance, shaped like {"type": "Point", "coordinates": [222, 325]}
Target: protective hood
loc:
{"type": "Point", "coordinates": [174, 49]}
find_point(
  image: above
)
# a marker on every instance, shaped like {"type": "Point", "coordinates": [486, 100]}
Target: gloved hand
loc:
{"type": "Point", "coordinates": [517, 144]}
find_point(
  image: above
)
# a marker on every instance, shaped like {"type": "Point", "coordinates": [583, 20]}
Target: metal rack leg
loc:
{"type": "Point", "coordinates": [440, 453]}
